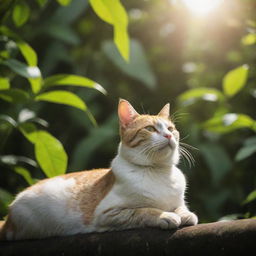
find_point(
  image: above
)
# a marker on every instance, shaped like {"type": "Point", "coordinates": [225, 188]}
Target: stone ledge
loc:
{"type": "Point", "coordinates": [218, 238]}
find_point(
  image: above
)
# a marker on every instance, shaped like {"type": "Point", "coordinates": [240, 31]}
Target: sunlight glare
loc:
{"type": "Point", "coordinates": [201, 7]}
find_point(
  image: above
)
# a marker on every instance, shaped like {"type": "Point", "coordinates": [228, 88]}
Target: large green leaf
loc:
{"type": "Point", "coordinates": [137, 67]}
{"type": "Point", "coordinates": [229, 122]}
{"type": "Point", "coordinates": [14, 95]}
{"type": "Point", "coordinates": [72, 80]}
{"type": "Point", "coordinates": [202, 93]}
{"type": "Point", "coordinates": [49, 152]}
{"type": "Point", "coordinates": [62, 97]}
{"type": "Point", "coordinates": [113, 12]}
{"type": "Point", "coordinates": [20, 13]}
{"type": "Point", "coordinates": [101, 9]}
{"type": "Point", "coordinates": [235, 80]}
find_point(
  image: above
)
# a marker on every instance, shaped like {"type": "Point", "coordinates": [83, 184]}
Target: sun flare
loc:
{"type": "Point", "coordinates": [201, 7]}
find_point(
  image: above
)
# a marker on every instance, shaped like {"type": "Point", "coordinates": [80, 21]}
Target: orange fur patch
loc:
{"type": "Point", "coordinates": [91, 187]}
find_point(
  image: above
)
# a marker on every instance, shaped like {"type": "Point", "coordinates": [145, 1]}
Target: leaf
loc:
{"type": "Point", "coordinates": [63, 33]}
{"type": "Point", "coordinates": [121, 39]}
{"type": "Point", "coordinates": [8, 119]}
{"type": "Point", "coordinates": [72, 80]}
{"type": "Point", "coordinates": [50, 154]}
{"type": "Point", "coordinates": [249, 39]}
{"type": "Point", "coordinates": [251, 197]}
{"type": "Point", "coordinates": [62, 97]}
{"type": "Point", "coordinates": [22, 69]}
{"type": "Point", "coordinates": [4, 83]}
{"type": "Point", "coordinates": [229, 122]}
{"type": "Point", "coordinates": [137, 67]}
{"type": "Point", "coordinates": [97, 137]}
{"type": "Point", "coordinates": [102, 11]}
{"type": "Point", "coordinates": [14, 95]}
{"type": "Point", "coordinates": [64, 2]}
{"type": "Point", "coordinates": [25, 174]}
{"type": "Point", "coordinates": [36, 84]}
{"type": "Point", "coordinates": [212, 152]}
{"type": "Point", "coordinates": [5, 197]}
{"type": "Point", "coordinates": [245, 152]}
{"type": "Point", "coordinates": [14, 160]}
{"type": "Point", "coordinates": [20, 13]}
{"type": "Point", "coordinates": [29, 130]}
{"type": "Point", "coordinates": [208, 94]}
{"type": "Point", "coordinates": [26, 50]}
{"type": "Point", "coordinates": [113, 12]}
{"type": "Point", "coordinates": [28, 53]}
{"type": "Point", "coordinates": [235, 80]}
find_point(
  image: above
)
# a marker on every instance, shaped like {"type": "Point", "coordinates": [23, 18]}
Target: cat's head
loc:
{"type": "Point", "coordinates": [147, 139]}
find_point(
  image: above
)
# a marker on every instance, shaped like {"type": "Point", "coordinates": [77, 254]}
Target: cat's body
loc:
{"type": "Point", "coordinates": [143, 188]}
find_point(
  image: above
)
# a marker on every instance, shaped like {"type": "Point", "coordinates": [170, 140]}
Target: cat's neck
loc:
{"type": "Point", "coordinates": [124, 160]}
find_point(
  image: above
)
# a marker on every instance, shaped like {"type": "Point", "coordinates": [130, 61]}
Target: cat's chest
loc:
{"type": "Point", "coordinates": [159, 190]}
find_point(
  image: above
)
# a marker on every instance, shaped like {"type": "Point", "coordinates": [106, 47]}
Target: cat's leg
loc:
{"type": "Point", "coordinates": [118, 219]}
{"type": "Point", "coordinates": [188, 218]}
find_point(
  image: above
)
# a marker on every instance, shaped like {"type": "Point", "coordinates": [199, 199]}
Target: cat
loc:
{"type": "Point", "coordinates": [142, 188]}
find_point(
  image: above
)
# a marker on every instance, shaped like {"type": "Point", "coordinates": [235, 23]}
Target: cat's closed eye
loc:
{"type": "Point", "coordinates": [150, 128]}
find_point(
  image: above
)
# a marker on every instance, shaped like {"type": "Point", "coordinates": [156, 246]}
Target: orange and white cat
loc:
{"type": "Point", "coordinates": [142, 188]}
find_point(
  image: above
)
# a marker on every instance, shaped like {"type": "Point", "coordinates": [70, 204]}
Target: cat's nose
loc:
{"type": "Point", "coordinates": [168, 136]}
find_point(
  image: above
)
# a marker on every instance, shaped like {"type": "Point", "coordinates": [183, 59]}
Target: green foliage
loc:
{"type": "Point", "coordinates": [72, 80]}
{"type": "Point", "coordinates": [113, 12]}
{"type": "Point", "coordinates": [248, 149]}
{"type": "Point", "coordinates": [62, 97]}
{"type": "Point", "coordinates": [229, 122]}
{"type": "Point", "coordinates": [49, 152]}
{"type": "Point", "coordinates": [21, 13]}
{"type": "Point", "coordinates": [25, 174]}
{"type": "Point", "coordinates": [235, 80]}
{"type": "Point", "coordinates": [207, 94]}
{"type": "Point", "coordinates": [137, 67]}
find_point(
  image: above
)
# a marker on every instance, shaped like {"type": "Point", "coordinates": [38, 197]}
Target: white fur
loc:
{"type": "Point", "coordinates": [46, 212]}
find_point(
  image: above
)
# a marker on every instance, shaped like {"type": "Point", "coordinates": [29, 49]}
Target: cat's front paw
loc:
{"type": "Point", "coordinates": [169, 220]}
{"type": "Point", "coordinates": [188, 218]}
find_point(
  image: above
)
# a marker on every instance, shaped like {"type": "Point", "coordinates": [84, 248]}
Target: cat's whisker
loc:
{"type": "Point", "coordinates": [188, 146]}
{"type": "Point", "coordinates": [187, 155]}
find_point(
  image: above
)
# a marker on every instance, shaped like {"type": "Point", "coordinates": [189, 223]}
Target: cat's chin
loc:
{"type": "Point", "coordinates": [167, 154]}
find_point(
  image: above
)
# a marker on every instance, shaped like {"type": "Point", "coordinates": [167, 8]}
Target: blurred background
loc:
{"type": "Point", "coordinates": [199, 55]}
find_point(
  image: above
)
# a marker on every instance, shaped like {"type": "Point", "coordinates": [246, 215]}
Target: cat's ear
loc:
{"type": "Point", "coordinates": [126, 113]}
{"type": "Point", "coordinates": [165, 111]}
